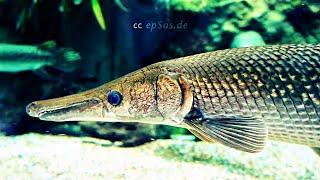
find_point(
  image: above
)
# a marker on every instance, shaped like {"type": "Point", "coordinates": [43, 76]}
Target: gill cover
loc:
{"type": "Point", "coordinates": [174, 97]}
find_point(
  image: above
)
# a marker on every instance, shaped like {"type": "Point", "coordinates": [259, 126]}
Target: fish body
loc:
{"type": "Point", "coordinates": [238, 97]}
{"type": "Point", "coordinates": [16, 58]}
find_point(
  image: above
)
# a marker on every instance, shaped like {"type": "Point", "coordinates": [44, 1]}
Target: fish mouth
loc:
{"type": "Point", "coordinates": [71, 112]}
{"type": "Point", "coordinates": [43, 115]}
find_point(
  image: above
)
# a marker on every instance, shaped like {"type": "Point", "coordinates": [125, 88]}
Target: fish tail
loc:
{"type": "Point", "coordinates": [66, 59]}
{"type": "Point", "coordinates": [67, 55]}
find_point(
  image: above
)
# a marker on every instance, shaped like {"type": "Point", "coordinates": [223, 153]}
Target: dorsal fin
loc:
{"type": "Point", "coordinates": [48, 45]}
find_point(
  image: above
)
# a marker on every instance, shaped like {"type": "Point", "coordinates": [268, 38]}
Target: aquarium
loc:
{"type": "Point", "coordinates": [160, 89]}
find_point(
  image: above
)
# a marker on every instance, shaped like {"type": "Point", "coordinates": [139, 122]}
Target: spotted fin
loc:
{"type": "Point", "coordinates": [243, 133]}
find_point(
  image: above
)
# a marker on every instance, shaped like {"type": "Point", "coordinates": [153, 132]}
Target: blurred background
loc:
{"type": "Point", "coordinates": [115, 37]}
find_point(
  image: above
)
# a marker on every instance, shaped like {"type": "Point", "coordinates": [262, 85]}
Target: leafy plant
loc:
{"type": "Point", "coordinates": [98, 13]}
{"type": "Point", "coordinates": [65, 6]}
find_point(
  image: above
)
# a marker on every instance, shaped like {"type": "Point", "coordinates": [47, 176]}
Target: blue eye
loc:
{"type": "Point", "coordinates": [114, 98]}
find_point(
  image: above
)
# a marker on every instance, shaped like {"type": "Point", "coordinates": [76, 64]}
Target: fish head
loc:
{"type": "Point", "coordinates": [148, 95]}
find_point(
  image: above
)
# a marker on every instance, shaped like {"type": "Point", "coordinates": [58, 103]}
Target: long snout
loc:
{"type": "Point", "coordinates": [69, 108]}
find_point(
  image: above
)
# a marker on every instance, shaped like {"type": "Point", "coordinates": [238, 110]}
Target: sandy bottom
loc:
{"type": "Point", "coordinates": [35, 156]}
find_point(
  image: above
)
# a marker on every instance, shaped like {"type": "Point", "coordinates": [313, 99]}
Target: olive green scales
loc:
{"type": "Point", "coordinates": [238, 97]}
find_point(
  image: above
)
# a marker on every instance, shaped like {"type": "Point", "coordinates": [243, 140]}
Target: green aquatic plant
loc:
{"type": "Point", "coordinates": [95, 6]}
{"type": "Point", "coordinates": [198, 5]}
{"type": "Point", "coordinates": [27, 9]}
{"type": "Point", "coordinates": [204, 6]}
{"type": "Point", "coordinates": [98, 13]}
{"type": "Point", "coordinates": [121, 5]}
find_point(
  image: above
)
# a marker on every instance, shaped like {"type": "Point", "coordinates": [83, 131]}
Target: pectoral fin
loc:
{"type": "Point", "coordinates": [243, 133]}
{"type": "Point", "coordinates": [316, 150]}
{"type": "Point", "coordinates": [201, 136]}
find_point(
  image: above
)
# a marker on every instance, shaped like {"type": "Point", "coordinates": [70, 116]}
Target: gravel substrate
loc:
{"type": "Point", "coordinates": [35, 156]}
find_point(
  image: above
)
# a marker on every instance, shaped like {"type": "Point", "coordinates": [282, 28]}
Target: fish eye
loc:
{"type": "Point", "coordinates": [114, 98]}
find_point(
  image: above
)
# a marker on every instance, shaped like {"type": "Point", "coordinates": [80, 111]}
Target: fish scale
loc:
{"type": "Point", "coordinates": [278, 84]}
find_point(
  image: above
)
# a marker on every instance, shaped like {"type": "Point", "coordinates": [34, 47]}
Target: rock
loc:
{"type": "Point", "coordinates": [35, 156]}
{"type": "Point", "coordinates": [246, 39]}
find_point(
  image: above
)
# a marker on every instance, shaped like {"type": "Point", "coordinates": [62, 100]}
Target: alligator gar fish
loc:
{"type": "Point", "coordinates": [16, 58]}
{"type": "Point", "coordinates": [238, 97]}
